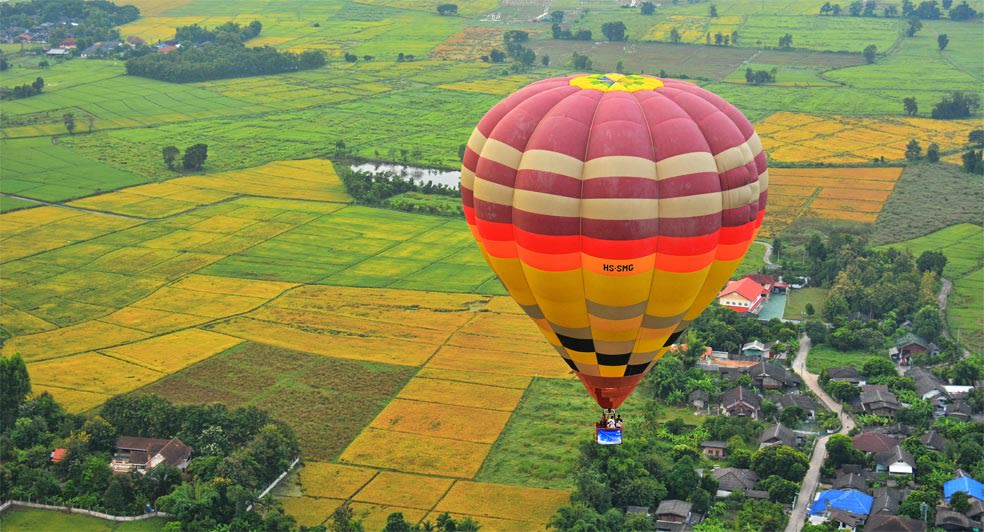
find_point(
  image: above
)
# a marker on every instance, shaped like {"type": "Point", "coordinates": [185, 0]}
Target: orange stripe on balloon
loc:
{"type": "Point", "coordinates": [685, 263]}
{"type": "Point", "coordinates": [550, 262]}
{"type": "Point", "coordinates": [503, 249]}
{"type": "Point", "coordinates": [726, 252]}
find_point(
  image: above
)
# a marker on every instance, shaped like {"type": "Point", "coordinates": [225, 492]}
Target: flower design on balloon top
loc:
{"type": "Point", "coordinates": [616, 82]}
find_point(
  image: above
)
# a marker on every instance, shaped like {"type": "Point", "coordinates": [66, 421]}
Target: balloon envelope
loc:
{"type": "Point", "coordinates": [613, 208]}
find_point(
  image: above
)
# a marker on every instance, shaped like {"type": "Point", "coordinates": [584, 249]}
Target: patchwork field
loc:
{"type": "Point", "coordinates": [855, 194]}
{"type": "Point", "coordinates": [795, 137]}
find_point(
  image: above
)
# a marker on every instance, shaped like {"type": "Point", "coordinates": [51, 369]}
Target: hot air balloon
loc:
{"type": "Point", "coordinates": [613, 208]}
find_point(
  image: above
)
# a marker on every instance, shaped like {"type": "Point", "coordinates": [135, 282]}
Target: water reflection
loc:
{"type": "Point", "coordinates": [417, 174]}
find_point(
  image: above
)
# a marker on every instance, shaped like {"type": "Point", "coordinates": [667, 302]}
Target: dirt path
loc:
{"type": "Point", "coordinates": [809, 485]}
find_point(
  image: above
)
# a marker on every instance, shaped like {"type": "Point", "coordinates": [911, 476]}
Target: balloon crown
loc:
{"type": "Point", "coordinates": [617, 82]}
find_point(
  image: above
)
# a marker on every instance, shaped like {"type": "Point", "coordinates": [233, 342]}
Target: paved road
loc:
{"type": "Point", "coordinates": [768, 255]}
{"type": "Point", "coordinates": [812, 478]}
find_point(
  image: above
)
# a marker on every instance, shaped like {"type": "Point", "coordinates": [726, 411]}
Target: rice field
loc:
{"type": "Point", "coordinates": [853, 194]}
{"type": "Point", "coordinates": [797, 137]}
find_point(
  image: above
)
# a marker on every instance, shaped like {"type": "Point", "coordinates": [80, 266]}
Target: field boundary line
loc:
{"type": "Point", "coordinates": [492, 449]}
{"type": "Point", "coordinates": [448, 404]}
{"type": "Point", "coordinates": [91, 513]}
{"type": "Point", "coordinates": [467, 382]}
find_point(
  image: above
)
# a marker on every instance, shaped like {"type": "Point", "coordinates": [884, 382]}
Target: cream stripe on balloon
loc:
{"type": "Point", "coordinates": [619, 166]}
{"type": "Point", "coordinates": [501, 153]}
{"type": "Point", "coordinates": [551, 161]}
{"type": "Point", "coordinates": [467, 178]}
{"type": "Point", "coordinates": [476, 141]}
{"type": "Point", "coordinates": [493, 192]}
{"type": "Point", "coordinates": [763, 181]}
{"type": "Point", "coordinates": [684, 164]}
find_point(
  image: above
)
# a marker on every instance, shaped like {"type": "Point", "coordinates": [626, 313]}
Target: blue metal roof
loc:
{"type": "Point", "coordinates": [965, 484]}
{"type": "Point", "coordinates": [846, 500]}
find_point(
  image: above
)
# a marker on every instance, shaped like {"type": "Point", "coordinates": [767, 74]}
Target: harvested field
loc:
{"type": "Point", "coordinates": [516, 382]}
{"type": "Point", "coordinates": [86, 336]}
{"type": "Point", "coordinates": [334, 481]}
{"type": "Point", "coordinates": [310, 511]}
{"type": "Point", "coordinates": [93, 373]}
{"type": "Point", "coordinates": [404, 490]}
{"type": "Point", "coordinates": [152, 321]}
{"type": "Point", "coordinates": [416, 453]}
{"type": "Point", "coordinates": [500, 362]}
{"type": "Point", "coordinates": [445, 421]}
{"type": "Point", "coordinates": [449, 392]}
{"type": "Point", "coordinates": [502, 501]}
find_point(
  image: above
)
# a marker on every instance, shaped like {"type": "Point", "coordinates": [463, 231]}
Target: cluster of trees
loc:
{"type": "Point", "coordinates": [216, 61]}
{"type": "Point", "coordinates": [383, 188]}
{"type": "Point", "coordinates": [88, 21]}
{"type": "Point", "coordinates": [659, 463]}
{"type": "Point", "coordinates": [972, 158]}
{"type": "Point", "coordinates": [786, 41]}
{"type": "Point", "coordinates": [726, 330]}
{"type": "Point", "coordinates": [447, 10]}
{"type": "Point", "coordinates": [929, 10]}
{"type": "Point", "coordinates": [913, 151]}
{"type": "Point", "coordinates": [614, 31]}
{"type": "Point", "coordinates": [194, 156]}
{"type": "Point", "coordinates": [759, 77]}
{"type": "Point", "coordinates": [957, 105]}
{"type": "Point", "coordinates": [352, 58]}
{"type": "Point", "coordinates": [581, 61]}
{"type": "Point", "coordinates": [220, 54]}
{"type": "Point", "coordinates": [230, 32]}
{"type": "Point", "coordinates": [22, 91]}
{"type": "Point", "coordinates": [720, 39]}
{"type": "Point", "coordinates": [236, 453]}
{"type": "Point", "coordinates": [562, 34]}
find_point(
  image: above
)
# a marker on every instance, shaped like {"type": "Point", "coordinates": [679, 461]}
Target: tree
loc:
{"type": "Point", "coordinates": [15, 386]}
{"type": "Point", "coordinates": [854, 9]}
{"type": "Point", "coordinates": [581, 62]}
{"type": "Point", "coordinates": [968, 370]}
{"type": "Point", "coordinates": [675, 36]}
{"type": "Point", "coordinates": [545, 60]}
{"type": "Point", "coordinates": [913, 504]}
{"type": "Point", "coordinates": [780, 489]}
{"type": "Point", "coordinates": [792, 416]}
{"type": "Point", "coordinates": [446, 10]}
{"type": "Point", "coordinates": [558, 16]}
{"type": "Point", "coordinates": [194, 157]}
{"type": "Point", "coordinates": [786, 41]}
{"type": "Point", "coordinates": [957, 105]}
{"type": "Point", "coordinates": [869, 53]}
{"type": "Point", "coordinates": [613, 31]}
{"type": "Point", "coordinates": [973, 161]}
{"type": "Point", "coordinates": [497, 56]}
{"type": "Point", "coordinates": [170, 154]}
{"type": "Point", "coordinates": [343, 520]}
{"type": "Point", "coordinates": [810, 310]}
{"type": "Point", "coordinates": [947, 4]}
{"type": "Point", "coordinates": [69, 120]}
{"type": "Point", "coordinates": [976, 138]}
{"type": "Point", "coordinates": [963, 12]}
{"type": "Point", "coordinates": [933, 153]}
{"type": "Point", "coordinates": [648, 8]}
{"type": "Point", "coordinates": [911, 107]}
{"type": "Point", "coordinates": [927, 323]}
{"type": "Point", "coordinates": [395, 522]}
{"type": "Point", "coordinates": [835, 10]}
{"type": "Point", "coordinates": [713, 11]}
{"type": "Point", "coordinates": [891, 11]}
{"type": "Point", "coordinates": [844, 392]}
{"type": "Point", "coordinates": [942, 40]}
{"type": "Point", "coordinates": [841, 451]}
{"type": "Point", "coordinates": [878, 367]}
{"type": "Point", "coordinates": [780, 460]}
{"type": "Point", "coordinates": [914, 26]}
{"type": "Point", "coordinates": [959, 502]}
{"type": "Point", "coordinates": [913, 151]}
{"type": "Point", "coordinates": [928, 10]}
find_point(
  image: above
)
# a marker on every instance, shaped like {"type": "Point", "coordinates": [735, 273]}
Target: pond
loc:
{"type": "Point", "coordinates": [417, 174]}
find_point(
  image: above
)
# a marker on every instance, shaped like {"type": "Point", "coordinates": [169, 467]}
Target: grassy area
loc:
{"type": "Point", "coordinates": [754, 261]}
{"type": "Point", "coordinates": [798, 299]}
{"type": "Point", "coordinates": [911, 212]}
{"type": "Point", "coordinates": [823, 356]}
{"type": "Point", "coordinates": [540, 443]}
{"type": "Point", "coordinates": [31, 520]}
{"type": "Point", "coordinates": [964, 258]}
{"type": "Point", "coordinates": [326, 401]}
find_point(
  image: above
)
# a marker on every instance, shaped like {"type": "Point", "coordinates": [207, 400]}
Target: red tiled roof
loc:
{"type": "Point", "coordinates": [58, 454]}
{"type": "Point", "coordinates": [746, 288]}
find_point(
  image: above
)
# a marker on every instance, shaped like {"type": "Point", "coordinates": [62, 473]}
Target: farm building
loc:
{"type": "Point", "coordinates": [144, 454]}
{"type": "Point", "coordinates": [741, 402]}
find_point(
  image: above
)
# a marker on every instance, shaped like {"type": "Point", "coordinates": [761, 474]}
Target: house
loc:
{"type": "Point", "coordinates": [886, 501]}
{"type": "Point", "coordinates": [850, 501]}
{"type": "Point", "coordinates": [673, 515]}
{"type": "Point", "coordinates": [731, 479]}
{"type": "Point", "coordinates": [144, 454]}
{"type": "Point", "coordinates": [846, 520]}
{"type": "Point", "coordinates": [959, 410]}
{"type": "Point", "coordinates": [933, 441]}
{"type": "Point", "coordinates": [953, 521]}
{"type": "Point", "coordinates": [743, 296]}
{"type": "Point", "coordinates": [57, 52]}
{"type": "Point", "coordinates": [135, 40]}
{"type": "Point", "coordinates": [897, 461]}
{"type": "Point", "coordinates": [777, 435]}
{"type": "Point", "coordinates": [755, 350]}
{"type": "Point", "coordinates": [928, 385]}
{"type": "Point", "coordinates": [741, 402]}
{"type": "Point", "coordinates": [855, 481]}
{"type": "Point", "coordinates": [58, 455]}
{"type": "Point", "coordinates": [850, 375]}
{"type": "Point", "coordinates": [699, 398]}
{"type": "Point", "coordinates": [912, 344]}
{"type": "Point", "coordinates": [874, 442]}
{"type": "Point", "coordinates": [69, 43]}
{"type": "Point", "coordinates": [893, 523]}
{"type": "Point", "coordinates": [715, 449]}
{"type": "Point", "coordinates": [957, 393]}
{"type": "Point", "coordinates": [965, 483]}
{"type": "Point", "coordinates": [804, 402]}
{"type": "Point", "coordinates": [100, 48]}
{"type": "Point", "coordinates": [773, 377]}
{"type": "Point", "coordinates": [167, 48]}
{"type": "Point", "coordinates": [879, 401]}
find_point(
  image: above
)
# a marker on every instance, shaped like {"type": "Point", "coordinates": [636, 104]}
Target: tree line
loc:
{"type": "Point", "coordinates": [22, 91]}
{"type": "Point", "coordinates": [193, 159]}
